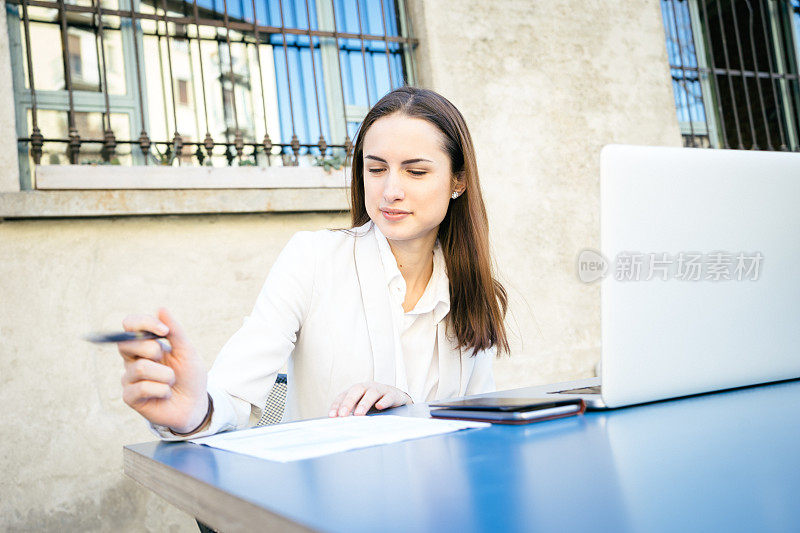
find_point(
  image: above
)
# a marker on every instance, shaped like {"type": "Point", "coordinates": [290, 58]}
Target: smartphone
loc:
{"type": "Point", "coordinates": [508, 410]}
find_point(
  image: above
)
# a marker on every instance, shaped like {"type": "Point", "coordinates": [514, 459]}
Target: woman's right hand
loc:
{"type": "Point", "coordinates": [166, 386]}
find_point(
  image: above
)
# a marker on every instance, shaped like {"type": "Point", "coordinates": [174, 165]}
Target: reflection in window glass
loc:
{"type": "Point", "coordinates": [82, 55]}
{"type": "Point", "coordinates": [55, 124]}
{"type": "Point", "coordinates": [228, 85]}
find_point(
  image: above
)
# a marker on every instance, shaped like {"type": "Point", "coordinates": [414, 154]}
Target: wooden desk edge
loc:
{"type": "Point", "coordinates": [218, 509]}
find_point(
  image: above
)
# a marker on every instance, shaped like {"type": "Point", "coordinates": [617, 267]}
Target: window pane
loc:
{"type": "Point", "coordinates": [682, 56]}
{"type": "Point", "coordinates": [796, 23]}
{"type": "Point", "coordinates": [747, 75]}
{"type": "Point", "coordinates": [754, 106]}
{"type": "Point", "coordinates": [212, 80]}
{"type": "Point", "coordinates": [48, 67]}
{"type": "Point", "coordinates": [82, 53]}
{"type": "Point", "coordinates": [106, 4]}
{"type": "Point", "coordinates": [115, 62]}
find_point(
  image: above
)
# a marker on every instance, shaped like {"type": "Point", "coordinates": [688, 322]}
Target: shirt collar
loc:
{"type": "Point", "coordinates": [436, 297]}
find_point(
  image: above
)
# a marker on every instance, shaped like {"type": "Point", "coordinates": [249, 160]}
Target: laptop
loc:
{"type": "Point", "coordinates": [699, 270]}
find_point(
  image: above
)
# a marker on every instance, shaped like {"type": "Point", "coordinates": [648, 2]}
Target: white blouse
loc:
{"type": "Point", "coordinates": [415, 331]}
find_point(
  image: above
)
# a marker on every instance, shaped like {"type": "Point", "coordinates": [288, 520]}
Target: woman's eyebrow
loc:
{"type": "Point", "coordinates": [406, 162]}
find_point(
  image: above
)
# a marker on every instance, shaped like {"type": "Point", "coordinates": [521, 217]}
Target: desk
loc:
{"type": "Point", "coordinates": [727, 461]}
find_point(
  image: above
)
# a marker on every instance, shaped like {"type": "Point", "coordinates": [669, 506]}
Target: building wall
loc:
{"type": "Point", "coordinates": [64, 422]}
{"type": "Point", "coordinates": [543, 86]}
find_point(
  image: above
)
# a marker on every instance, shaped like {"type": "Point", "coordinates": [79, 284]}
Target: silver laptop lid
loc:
{"type": "Point", "coordinates": [722, 308]}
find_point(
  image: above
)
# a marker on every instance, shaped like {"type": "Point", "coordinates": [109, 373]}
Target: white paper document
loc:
{"type": "Point", "coordinates": [314, 438]}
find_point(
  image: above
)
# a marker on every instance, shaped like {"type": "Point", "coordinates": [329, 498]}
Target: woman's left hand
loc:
{"type": "Point", "coordinates": [360, 397]}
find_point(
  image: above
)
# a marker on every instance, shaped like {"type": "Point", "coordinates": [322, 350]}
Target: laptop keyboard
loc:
{"type": "Point", "coordinates": [583, 390]}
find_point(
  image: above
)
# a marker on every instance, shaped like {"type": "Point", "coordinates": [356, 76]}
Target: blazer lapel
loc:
{"type": "Point", "coordinates": [377, 309]}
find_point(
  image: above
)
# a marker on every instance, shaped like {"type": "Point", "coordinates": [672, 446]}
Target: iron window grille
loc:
{"type": "Point", "coordinates": [734, 66]}
{"type": "Point", "coordinates": [200, 82]}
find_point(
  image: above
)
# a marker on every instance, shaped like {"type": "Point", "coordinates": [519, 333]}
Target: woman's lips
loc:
{"type": "Point", "coordinates": [394, 215]}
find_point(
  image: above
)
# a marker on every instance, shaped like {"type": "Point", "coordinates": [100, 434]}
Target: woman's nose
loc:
{"type": "Point", "coordinates": [392, 189]}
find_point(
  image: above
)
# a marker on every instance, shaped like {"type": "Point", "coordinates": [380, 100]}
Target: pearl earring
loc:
{"type": "Point", "coordinates": [455, 195]}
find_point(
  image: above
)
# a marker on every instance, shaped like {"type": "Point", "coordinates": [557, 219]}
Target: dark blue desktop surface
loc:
{"type": "Point", "coordinates": [728, 461]}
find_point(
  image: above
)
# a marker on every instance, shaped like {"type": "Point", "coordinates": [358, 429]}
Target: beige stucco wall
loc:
{"type": "Point", "coordinates": [64, 422]}
{"type": "Point", "coordinates": [543, 86]}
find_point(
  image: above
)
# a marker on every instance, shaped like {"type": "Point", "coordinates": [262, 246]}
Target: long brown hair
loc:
{"type": "Point", "coordinates": [478, 302]}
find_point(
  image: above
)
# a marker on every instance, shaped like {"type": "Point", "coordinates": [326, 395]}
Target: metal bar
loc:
{"type": "Point", "coordinates": [200, 156]}
{"type": "Point", "coordinates": [237, 136]}
{"type": "Point", "coordinates": [110, 142]}
{"type": "Point", "coordinates": [144, 140]}
{"type": "Point", "coordinates": [757, 80]}
{"type": "Point", "coordinates": [363, 52]}
{"type": "Point", "coordinates": [192, 76]}
{"type": "Point", "coordinates": [244, 39]}
{"type": "Point", "coordinates": [249, 77]}
{"type": "Point", "coordinates": [249, 93]}
{"type": "Point", "coordinates": [713, 72]}
{"type": "Point", "coordinates": [321, 143]}
{"type": "Point", "coordinates": [208, 141]}
{"type": "Point", "coordinates": [234, 25]}
{"type": "Point", "coordinates": [409, 40]}
{"type": "Point", "coordinates": [73, 149]}
{"type": "Point", "coordinates": [386, 43]}
{"type": "Point", "coordinates": [730, 81]}
{"type": "Point", "coordinates": [93, 28]}
{"type": "Point", "coordinates": [225, 108]}
{"type": "Point", "coordinates": [680, 57]}
{"type": "Point", "coordinates": [783, 146]}
{"type": "Point", "coordinates": [267, 141]}
{"type": "Point", "coordinates": [784, 62]}
{"type": "Point", "coordinates": [348, 144]}
{"type": "Point", "coordinates": [738, 73]}
{"type": "Point", "coordinates": [295, 144]}
{"type": "Point", "coordinates": [37, 140]}
{"type": "Point", "coordinates": [163, 86]}
{"type": "Point", "coordinates": [794, 31]}
{"type": "Point", "coordinates": [177, 140]}
{"type": "Point", "coordinates": [251, 35]}
{"type": "Point", "coordinates": [753, 146]}
{"type": "Point", "coordinates": [187, 143]}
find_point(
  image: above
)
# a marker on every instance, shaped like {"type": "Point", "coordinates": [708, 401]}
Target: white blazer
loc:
{"type": "Point", "coordinates": [325, 309]}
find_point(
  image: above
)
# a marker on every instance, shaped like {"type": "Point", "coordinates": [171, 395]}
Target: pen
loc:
{"type": "Point", "coordinates": [121, 336]}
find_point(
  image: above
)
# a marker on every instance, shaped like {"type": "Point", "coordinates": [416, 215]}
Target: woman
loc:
{"type": "Point", "coordinates": [400, 308]}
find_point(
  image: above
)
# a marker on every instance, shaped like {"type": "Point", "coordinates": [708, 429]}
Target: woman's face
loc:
{"type": "Point", "coordinates": [407, 177]}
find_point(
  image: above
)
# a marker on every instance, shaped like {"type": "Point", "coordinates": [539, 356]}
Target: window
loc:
{"type": "Point", "coordinates": [734, 68]}
{"type": "Point", "coordinates": [183, 92]}
{"type": "Point", "coordinates": [75, 55]}
{"type": "Point", "coordinates": [200, 82]}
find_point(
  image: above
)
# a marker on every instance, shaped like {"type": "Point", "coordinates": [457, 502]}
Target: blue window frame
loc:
{"type": "Point", "coordinates": [683, 61]}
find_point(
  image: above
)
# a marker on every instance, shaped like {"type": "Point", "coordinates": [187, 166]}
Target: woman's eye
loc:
{"type": "Point", "coordinates": [375, 170]}
{"type": "Point", "coordinates": [417, 172]}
